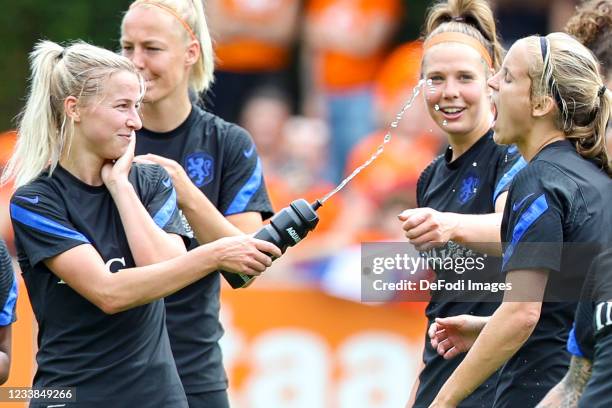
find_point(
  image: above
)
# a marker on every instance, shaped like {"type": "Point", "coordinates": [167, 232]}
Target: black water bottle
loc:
{"type": "Point", "coordinates": [288, 227]}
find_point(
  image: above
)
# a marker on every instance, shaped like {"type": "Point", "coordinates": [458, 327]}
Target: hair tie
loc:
{"type": "Point", "coordinates": [544, 48]}
{"type": "Point", "coordinates": [601, 91]}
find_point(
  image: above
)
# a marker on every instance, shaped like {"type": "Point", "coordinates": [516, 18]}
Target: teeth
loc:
{"type": "Point", "coordinates": [451, 110]}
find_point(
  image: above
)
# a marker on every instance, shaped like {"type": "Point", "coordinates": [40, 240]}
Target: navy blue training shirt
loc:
{"type": "Point", "coordinates": [598, 391]}
{"type": "Point", "coordinates": [120, 360]}
{"type": "Point", "coordinates": [8, 287]}
{"type": "Point", "coordinates": [468, 185]}
{"type": "Point", "coordinates": [556, 219]}
{"type": "Point", "coordinates": [222, 161]}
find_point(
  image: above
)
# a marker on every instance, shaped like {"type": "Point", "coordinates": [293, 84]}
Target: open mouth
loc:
{"type": "Point", "coordinates": [451, 113]}
{"type": "Point", "coordinates": [495, 113]}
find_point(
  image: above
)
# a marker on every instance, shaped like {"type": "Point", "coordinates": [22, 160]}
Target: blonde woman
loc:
{"type": "Point", "coordinates": [592, 26]}
{"type": "Point", "coordinates": [99, 241]}
{"type": "Point", "coordinates": [553, 104]}
{"type": "Point", "coordinates": [462, 193]}
{"type": "Point", "coordinates": [214, 166]}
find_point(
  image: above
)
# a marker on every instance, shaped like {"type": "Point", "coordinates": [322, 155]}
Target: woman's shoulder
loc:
{"type": "Point", "coordinates": [430, 169]}
{"type": "Point", "coordinates": [213, 124]}
{"type": "Point", "coordinates": [542, 170]}
{"type": "Point", "coordinates": [149, 173]}
{"type": "Point", "coordinates": [43, 184]}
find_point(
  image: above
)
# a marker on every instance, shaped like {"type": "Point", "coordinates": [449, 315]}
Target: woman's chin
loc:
{"type": "Point", "coordinates": [498, 135]}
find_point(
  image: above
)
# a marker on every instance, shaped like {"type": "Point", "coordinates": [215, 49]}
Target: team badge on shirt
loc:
{"type": "Point", "coordinates": [200, 167]}
{"type": "Point", "coordinates": [469, 188]}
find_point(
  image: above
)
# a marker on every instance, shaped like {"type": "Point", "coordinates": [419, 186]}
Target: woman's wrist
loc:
{"type": "Point", "coordinates": [118, 188]}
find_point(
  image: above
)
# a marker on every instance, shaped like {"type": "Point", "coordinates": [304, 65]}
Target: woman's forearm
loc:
{"type": "Point", "coordinates": [133, 287]}
{"type": "Point", "coordinates": [480, 232]}
{"type": "Point", "coordinates": [568, 391]}
{"type": "Point", "coordinates": [148, 243]}
{"type": "Point", "coordinates": [505, 333]}
{"type": "Point", "coordinates": [207, 222]}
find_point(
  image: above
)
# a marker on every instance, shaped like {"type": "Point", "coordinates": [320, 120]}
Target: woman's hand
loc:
{"type": "Point", "coordinates": [451, 336]}
{"type": "Point", "coordinates": [244, 254]}
{"type": "Point", "coordinates": [180, 179]}
{"type": "Point", "coordinates": [115, 175]}
{"type": "Point", "coordinates": [427, 228]}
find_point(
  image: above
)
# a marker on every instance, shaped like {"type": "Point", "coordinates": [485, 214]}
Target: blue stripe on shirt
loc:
{"type": "Point", "coordinates": [7, 314]}
{"type": "Point", "coordinates": [507, 178]}
{"type": "Point", "coordinates": [40, 223]}
{"type": "Point", "coordinates": [572, 343]}
{"type": "Point", "coordinates": [240, 202]}
{"type": "Point", "coordinates": [528, 217]}
{"type": "Point", "coordinates": [164, 214]}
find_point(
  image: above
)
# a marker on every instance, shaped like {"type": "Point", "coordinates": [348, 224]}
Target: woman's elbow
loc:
{"type": "Point", "coordinates": [110, 306]}
{"type": "Point", "coordinates": [527, 317]}
{"type": "Point", "coordinates": [110, 302]}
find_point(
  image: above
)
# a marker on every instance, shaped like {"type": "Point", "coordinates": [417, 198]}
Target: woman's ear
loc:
{"type": "Point", "coordinates": [543, 106]}
{"type": "Point", "coordinates": [71, 107]}
{"type": "Point", "coordinates": [192, 53]}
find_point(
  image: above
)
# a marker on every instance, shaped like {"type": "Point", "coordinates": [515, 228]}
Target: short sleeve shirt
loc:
{"type": "Point", "coordinates": [120, 360]}
{"type": "Point", "coordinates": [222, 161]}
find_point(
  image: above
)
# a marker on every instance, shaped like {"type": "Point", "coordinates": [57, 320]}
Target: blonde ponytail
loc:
{"type": "Point", "coordinates": [79, 70]}
{"type": "Point", "coordinates": [569, 73]}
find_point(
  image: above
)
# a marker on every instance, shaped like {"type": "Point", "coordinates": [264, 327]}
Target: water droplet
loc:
{"type": "Point", "coordinates": [474, 164]}
{"type": "Point", "coordinates": [454, 190]}
{"type": "Point", "coordinates": [444, 122]}
{"type": "Point", "coordinates": [436, 107]}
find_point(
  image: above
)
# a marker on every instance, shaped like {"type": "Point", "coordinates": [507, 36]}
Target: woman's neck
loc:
{"type": "Point", "coordinates": [166, 114]}
{"type": "Point", "coordinates": [461, 143]}
{"type": "Point", "coordinates": [530, 145]}
{"type": "Point", "coordinates": [85, 167]}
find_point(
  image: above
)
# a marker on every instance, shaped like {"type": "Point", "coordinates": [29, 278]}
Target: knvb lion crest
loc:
{"type": "Point", "coordinates": [200, 167]}
{"type": "Point", "coordinates": [469, 188]}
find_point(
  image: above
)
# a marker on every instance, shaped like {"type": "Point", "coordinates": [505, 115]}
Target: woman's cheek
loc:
{"type": "Point", "coordinates": [432, 91]}
{"type": "Point", "coordinates": [475, 93]}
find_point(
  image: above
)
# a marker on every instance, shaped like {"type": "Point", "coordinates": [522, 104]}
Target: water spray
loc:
{"type": "Point", "coordinates": [291, 224]}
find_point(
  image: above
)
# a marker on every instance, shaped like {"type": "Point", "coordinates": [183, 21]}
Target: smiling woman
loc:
{"type": "Point", "coordinates": [99, 240]}
{"type": "Point", "coordinates": [214, 166]}
{"type": "Point", "coordinates": [553, 104]}
{"type": "Point", "coordinates": [462, 193]}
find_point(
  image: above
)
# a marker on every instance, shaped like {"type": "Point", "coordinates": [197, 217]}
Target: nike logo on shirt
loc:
{"type": "Point", "coordinates": [249, 153]}
{"type": "Point", "coordinates": [31, 200]}
{"type": "Point", "coordinates": [518, 205]}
